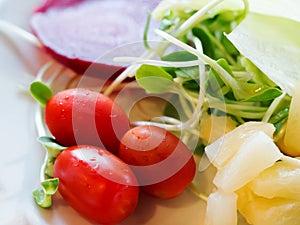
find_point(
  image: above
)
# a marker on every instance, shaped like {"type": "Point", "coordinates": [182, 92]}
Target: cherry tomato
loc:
{"type": "Point", "coordinates": [81, 116]}
{"type": "Point", "coordinates": [96, 183]}
{"type": "Point", "coordinates": [162, 163]}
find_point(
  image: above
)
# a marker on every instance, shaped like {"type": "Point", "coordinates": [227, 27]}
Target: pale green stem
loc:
{"type": "Point", "coordinates": [7, 27]}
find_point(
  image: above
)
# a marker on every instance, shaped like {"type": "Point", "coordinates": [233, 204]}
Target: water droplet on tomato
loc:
{"type": "Point", "coordinates": [142, 134]}
{"type": "Point", "coordinates": [62, 114]}
{"type": "Point", "coordinates": [93, 159]}
{"type": "Point", "coordinates": [96, 166]}
{"type": "Point", "coordinates": [67, 97]}
{"type": "Point", "coordinates": [101, 152]}
{"type": "Point", "coordinates": [112, 115]}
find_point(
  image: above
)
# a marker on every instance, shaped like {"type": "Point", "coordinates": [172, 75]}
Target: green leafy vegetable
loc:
{"type": "Point", "coordinates": [53, 149]}
{"type": "Point", "coordinates": [41, 92]}
{"type": "Point", "coordinates": [276, 52]}
{"type": "Point", "coordinates": [233, 85]}
{"type": "Point", "coordinates": [179, 56]}
{"type": "Point", "coordinates": [43, 197]}
{"type": "Point", "coordinates": [154, 79]}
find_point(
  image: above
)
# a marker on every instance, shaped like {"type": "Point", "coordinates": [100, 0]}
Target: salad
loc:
{"type": "Point", "coordinates": [225, 73]}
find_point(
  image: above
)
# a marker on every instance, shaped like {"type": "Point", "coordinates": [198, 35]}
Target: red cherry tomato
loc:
{"type": "Point", "coordinates": [81, 116]}
{"type": "Point", "coordinates": [96, 183]}
{"type": "Point", "coordinates": [162, 162]}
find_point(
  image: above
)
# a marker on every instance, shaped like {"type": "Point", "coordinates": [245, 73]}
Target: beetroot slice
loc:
{"type": "Point", "coordinates": [77, 33]}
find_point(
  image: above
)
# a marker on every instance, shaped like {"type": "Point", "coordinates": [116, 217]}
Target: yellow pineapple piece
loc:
{"type": "Point", "coordinates": [254, 155]}
{"type": "Point", "coordinates": [213, 127]}
{"type": "Point", "coordinates": [222, 150]}
{"type": "Point", "coordinates": [263, 211]}
{"type": "Point", "coordinates": [281, 180]}
{"type": "Point", "coordinates": [291, 144]}
{"type": "Point", "coordinates": [221, 209]}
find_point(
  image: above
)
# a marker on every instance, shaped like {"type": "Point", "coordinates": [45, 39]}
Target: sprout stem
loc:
{"type": "Point", "coordinates": [7, 27]}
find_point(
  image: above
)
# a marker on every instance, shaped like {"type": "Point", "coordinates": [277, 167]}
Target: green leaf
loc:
{"type": "Point", "coordinates": [207, 43]}
{"type": "Point", "coordinates": [188, 72]}
{"type": "Point", "coordinates": [43, 197]}
{"type": "Point", "coordinates": [53, 149]}
{"type": "Point", "coordinates": [276, 52]}
{"type": "Point", "coordinates": [192, 85]}
{"type": "Point", "coordinates": [179, 56]}
{"type": "Point", "coordinates": [258, 75]}
{"type": "Point", "coordinates": [265, 95]}
{"type": "Point", "coordinates": [222, 62]}
{"type": "Point", "coordinates": [154, 79]}
{"type": "Point", "coordinates": [51, 145]}
{"type": "Point", "coordinates": [41, 92]}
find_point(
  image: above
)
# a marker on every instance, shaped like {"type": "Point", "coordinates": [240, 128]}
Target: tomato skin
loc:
{"type": "Point", "coordinates": [157, 153]}
{"type": "Point", "coordinates": [97, 184]}
{"type": "Point", "coordinates": [81, 116]}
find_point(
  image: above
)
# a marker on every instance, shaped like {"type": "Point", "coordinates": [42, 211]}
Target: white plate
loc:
{"type": "Point", "coordinates": [21, 155]}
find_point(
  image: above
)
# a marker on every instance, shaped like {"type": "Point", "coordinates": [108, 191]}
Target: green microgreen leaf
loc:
{"type": "Point", "coordinates": [188, 72]}
{"type": "Point", "coordinates": [179, 56]}
{"type": "Point", "coordinates": [53, 149]}
{"type": "Point", "coordinates": [154, 79]}
{"type": "Point", "coordinates": [43, 197]}
{"type": "Point", "coordinates": [206, 40]}
{"type": "Point", "coordinates": [265, 95]}
{"type": "Point", "coordinates": [146, 30]}
{"type": "Point", "coordinates": [41, 92]}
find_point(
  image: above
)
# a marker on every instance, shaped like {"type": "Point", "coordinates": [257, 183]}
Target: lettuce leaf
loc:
{"type": "Point", "coordinates": [269, 38]}
{"type": "Point", "coordinates": [272, 43]}
{"type": "Point", "coordinates": [280, 8]}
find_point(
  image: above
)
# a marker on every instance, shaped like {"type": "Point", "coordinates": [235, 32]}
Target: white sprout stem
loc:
{"type": "Point", "coordinates": [129, 72]}
{"type": "Point", "coordinates": [243, 75]}
{"type": "Point", "coordinates": [139, 60]}
{"type": "Point", "coordinates": [39, 121]}
{"type": "Point", "coordinates": [43, 71]}
{"type": "Point", "coordinates": [272, 107]}
{"type": "Point", "coordinates": [166, 119]}
{"type": "Point", "coordinates": [169, 127]}
{"type": "Point", "coordinates": [41, 132]}
{"type": "Point", "coordinates": [190, 22]}
{"type": "Point", "coordinates": [196, 18]}
{"type": "Point", "coordinates": [202, 72]}
{"type": "Point", "coordinates": [7, 27]}
{"type": "Point", "coordinates": [205, 59]}
{"type": "Point", "coordinates": [194, 118]}
{"type": "Point", "coordinates": [197, 110]}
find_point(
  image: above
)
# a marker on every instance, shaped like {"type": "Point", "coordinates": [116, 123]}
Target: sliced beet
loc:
{"type": "Point", "coordinates": [78, 33]}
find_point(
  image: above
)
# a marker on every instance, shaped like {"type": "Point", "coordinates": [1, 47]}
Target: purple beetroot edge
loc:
{"type": "Point", "coordinates": [79, 33]}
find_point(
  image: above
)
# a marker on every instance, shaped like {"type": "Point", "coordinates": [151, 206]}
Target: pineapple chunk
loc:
{"type": "Point", "coordinates": [213, 127]}
{"type": "Point", "coordinates": [291, 145]}
{"type": "Point", "coordinates": [221, 209]}
{"type": "Point", "coordinates": [262, 211]}
{"type": "Point", "coordinates": [221, 151]}
{"type": "Point", "coordinates": [255, 154]}
{"type": "Point", "coordinates": [281, 180]}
